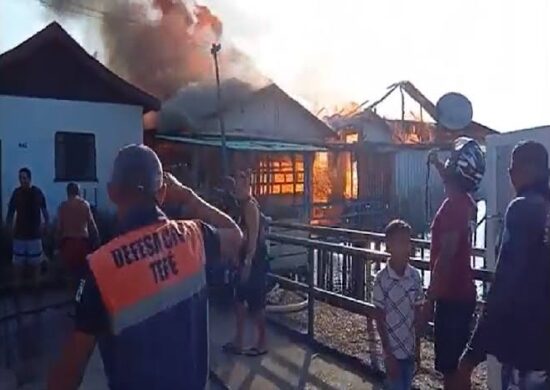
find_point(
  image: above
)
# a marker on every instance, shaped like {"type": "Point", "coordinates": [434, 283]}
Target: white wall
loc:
{"type": "Point", "coordinates": [27, 134]}
{"type": "Point", "coordinates": [271, 115]}
{"type": "Point", "coordinates": [499, 194]}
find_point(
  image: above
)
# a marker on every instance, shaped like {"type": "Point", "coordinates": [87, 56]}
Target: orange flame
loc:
{"type": "Point", "coordinates": [322, 187]}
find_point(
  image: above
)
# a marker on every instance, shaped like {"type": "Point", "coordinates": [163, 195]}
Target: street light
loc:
{"type": "Point", "coordinates": [216, 47]}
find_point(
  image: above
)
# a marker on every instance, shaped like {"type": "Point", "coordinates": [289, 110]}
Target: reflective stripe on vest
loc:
{"type": "Point", "coordinates": [149, 270]}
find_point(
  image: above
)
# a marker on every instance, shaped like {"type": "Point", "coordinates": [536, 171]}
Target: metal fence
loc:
{"type": "Point", "coordinates": [341, 265]}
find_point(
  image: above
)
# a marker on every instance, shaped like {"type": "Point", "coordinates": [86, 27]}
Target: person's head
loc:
{"type": "Point", "coordinates": [398, 240]}
{"type": "Point", "coordinates": [25, 177]}
{"type": "Point", "coordinates": [465, 167]}
{"type": "Point", "coordinates": [529, 166]}
{"type": "Point", "coordinates": [229, 185]}
{"type": "Point", "coordinates": [137, 178]}
{"type": "Point", "coordinates": [73, 190]}
{"type": "Point", "coordinates": [242, 185]}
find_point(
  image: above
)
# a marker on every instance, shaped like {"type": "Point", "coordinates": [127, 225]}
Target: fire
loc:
{"type": "Point", "coordinates": [279, 175]}
{"type": "Point", "coordinates": [411, 132]}
{"type": "Point", "coordinates": [350, 168]}
{"type": "Point", "coordinates": [352, 138]}
{"type": "Point", "coordinates": [321, 178]}
{"type": "Point", "coordinates": [161, 45]}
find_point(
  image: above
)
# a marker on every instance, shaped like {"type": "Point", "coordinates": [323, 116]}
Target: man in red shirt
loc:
{"type": "Point", "coordinates": [452, 290]}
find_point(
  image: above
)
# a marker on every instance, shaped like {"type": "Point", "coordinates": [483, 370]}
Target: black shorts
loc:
{"type": "Point", "coordinates": [453, 321]}
{"type": "Point", "coordinates": [253, 291]}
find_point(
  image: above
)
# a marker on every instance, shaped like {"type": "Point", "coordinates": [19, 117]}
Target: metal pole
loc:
{"type": "Point", "coordinates": [216, 47]}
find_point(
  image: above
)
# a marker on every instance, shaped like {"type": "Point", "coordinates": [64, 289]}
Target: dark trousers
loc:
{"type": "Point", "coordinates": [453, 322]}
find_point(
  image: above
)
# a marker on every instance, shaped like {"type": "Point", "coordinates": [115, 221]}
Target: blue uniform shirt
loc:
{"type": "Point", "coordinates": [515, 326]}
{"type": "Point", "coordinates": [166, 351]}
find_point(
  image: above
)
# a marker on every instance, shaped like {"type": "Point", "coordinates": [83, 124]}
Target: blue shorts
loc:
{"type": "Point", "coordinates": [27, 252]}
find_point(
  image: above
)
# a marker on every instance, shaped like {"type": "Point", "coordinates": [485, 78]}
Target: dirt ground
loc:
{"type": "Point", "coordinates": [348, 333]}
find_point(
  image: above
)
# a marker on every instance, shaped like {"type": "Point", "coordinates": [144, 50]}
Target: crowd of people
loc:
{"type": "Point", "coordinates": [142, 296]}
{"type": "Point", "coordinates": [514, 324]}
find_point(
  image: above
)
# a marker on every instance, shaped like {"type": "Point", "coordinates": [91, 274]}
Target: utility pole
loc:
{"type": "Point", "coordinates": [216, 47]}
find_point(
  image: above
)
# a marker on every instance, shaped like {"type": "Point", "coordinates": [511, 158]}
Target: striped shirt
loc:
{"type": "Point", "coordinates": [398, 296]}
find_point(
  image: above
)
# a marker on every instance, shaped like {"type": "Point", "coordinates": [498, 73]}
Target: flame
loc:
{"type": "Point", "coordinates": [350, 168]}
{"type": "Point", "coordinates": [161, 45]}
{"type": "Point", "coordinates": [322, 186]}
{"type": "Point", "coordinates": [351, 138]}
{"type": "Point", "coordinates": [411, 132]}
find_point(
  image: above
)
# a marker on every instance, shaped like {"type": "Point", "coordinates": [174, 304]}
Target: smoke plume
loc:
{"type": "Point", "coordinates": [162, 46]}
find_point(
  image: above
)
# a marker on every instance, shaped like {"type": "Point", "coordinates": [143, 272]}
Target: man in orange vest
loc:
{"type": "Point", "coordinates": [144, 300]}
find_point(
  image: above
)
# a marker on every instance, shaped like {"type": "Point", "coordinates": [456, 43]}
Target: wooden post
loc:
{"type": "Point", "coordinates": [308, 168]}
{"type": "Point", "coordinates": [310, 295]}
{"type": "Point", "coordinates": [358, 276]}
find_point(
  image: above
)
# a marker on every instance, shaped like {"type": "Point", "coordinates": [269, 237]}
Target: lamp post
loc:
{"type": "Point", "coordinates": [216, 47]}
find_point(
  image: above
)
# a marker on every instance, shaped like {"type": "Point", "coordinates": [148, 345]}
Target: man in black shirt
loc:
{"type": "Point", "coordinates": [27, 203]}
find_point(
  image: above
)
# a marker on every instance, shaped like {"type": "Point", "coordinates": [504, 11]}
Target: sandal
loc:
{"type": "Point", "coordinates": [231, 348]}
{"type": "Point", "coordinates": [255, 352]}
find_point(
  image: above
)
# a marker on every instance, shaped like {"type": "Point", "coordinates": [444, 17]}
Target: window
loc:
{"type": "Point", "coordinates": [75, 157]}
{"type": "Point", "coordinates": [276, 176]}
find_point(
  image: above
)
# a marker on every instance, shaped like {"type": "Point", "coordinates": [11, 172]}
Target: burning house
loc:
{"type": "Point", "coordinates": [267, 132]}
{"type": "Point", "coordinates": [388, 155]}
{"type": "Point", "coordinates": [65, 116]}
{"type": "Point", "coordinates": [164, 47]}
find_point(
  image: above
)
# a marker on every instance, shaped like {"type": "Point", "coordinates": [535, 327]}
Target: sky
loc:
{"type": "Point", "coordinates": [327, 52]}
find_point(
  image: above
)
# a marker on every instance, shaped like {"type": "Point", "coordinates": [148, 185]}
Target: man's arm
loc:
{"type": "Point", "coordinates": [229, 233]}
{"type": "Point", "coordinates": [93, 231]}
{"type": "Point", "coordinates": [11, 211]}
{"type": "Point", "coordinates": [44, 209]}
{"type": "Point", "coordinates": [59, 224]}
{"type": "Point", "coordinates": [252, 221]}
{"type": "Point", "coordinates": [67, 374]}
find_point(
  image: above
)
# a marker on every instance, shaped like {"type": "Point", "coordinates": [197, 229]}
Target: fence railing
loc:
{"type": "Point", "coordinates": [329, 261]}
{"type": "Point", "coordinates": [375, 241]}
{"type": "Point", "coordinates": [354, 235]}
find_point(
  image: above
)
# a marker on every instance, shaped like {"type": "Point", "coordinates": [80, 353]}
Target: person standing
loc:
{"type": "Point", "coordinates": [398, 298]}
{"type": "Point", "coordinates": [515, 324]}
{"type": "Point", "coordinates": [228, 202]}
{"type": "Point", "coordinates": [452, 290]}
{"type": "Point", "coordinates": [76, 231]}
{"type": "Point", "coordinates": [144, 299]}
{"type": "Point", "coordinates": [26, 207]}
{"type": "Point", "coordinates": [252, 276]}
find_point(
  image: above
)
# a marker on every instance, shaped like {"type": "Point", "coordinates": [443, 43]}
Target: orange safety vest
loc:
{"type": "Point", "coordinates": [149, 270]}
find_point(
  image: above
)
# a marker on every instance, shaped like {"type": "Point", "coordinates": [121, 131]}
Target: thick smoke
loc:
{"type": "Point", "coordinates": [162, 46]}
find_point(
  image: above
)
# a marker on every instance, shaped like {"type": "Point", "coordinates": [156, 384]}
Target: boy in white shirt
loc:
{"type": "Point", "coordinates": [398, 297]}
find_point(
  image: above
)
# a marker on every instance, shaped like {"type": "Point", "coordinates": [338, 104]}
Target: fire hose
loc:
{"type": "Point", "coordinates": [285, 308]}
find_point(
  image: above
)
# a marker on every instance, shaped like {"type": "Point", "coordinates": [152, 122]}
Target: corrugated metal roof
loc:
{"type": "Point", "coordinates": [255, 145]}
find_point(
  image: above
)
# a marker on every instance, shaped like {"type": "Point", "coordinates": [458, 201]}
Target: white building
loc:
{"type": "Point", "coordinates": [64, 116]}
